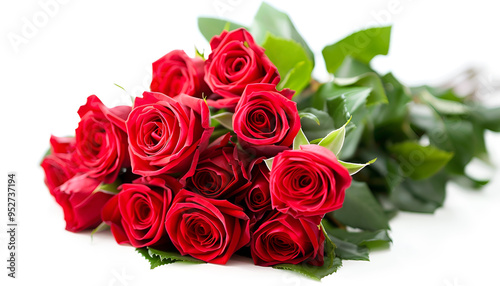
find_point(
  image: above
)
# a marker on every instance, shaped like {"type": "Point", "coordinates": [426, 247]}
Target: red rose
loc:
{"type": "Point", "coordinates": [282, 238]}
{"type": "Point", "coordinates": [257, 196]}
{"type": "Point", "coordinates": [266, 121]}
{"type": "Point", "coordinates": [207, 229]}
{"type": "Point", "coordinates": [176, 73]}
{"type": "Point", "coordinates": [221, 171]}
{"type": "Point", "coordinates": [137, 213]}
{"type": "Point", "coordinates": [62, 145]}
{"type": "Point", "coordinates": [309, 182]}
{"type": "Point", "coordinates": [166, 135]}
{"type": "Point", "coordinates": [82, 202]}
{"type": "Point", "coordinates": [236, 61]}
{"type": "Point", "coordinates": [101, 141]}
{"type": "Point", "coordinates": [58, 165]}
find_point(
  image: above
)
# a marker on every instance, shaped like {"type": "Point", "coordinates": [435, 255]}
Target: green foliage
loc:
{"type": "Point", "coordinates": [335, 139]}
{"type": "Point", "coordinates": [299, 140]}
{"type": "Point", "coordinates": [371, 80]}
{"type": "Point", "coordinates": [361, 209]}
{"type": "Point", "coordinates": [270, 20]}
{"type": "Point", "coordinates": [101, 227]}
{"type": "Point", "coordinates": [421, 162]}
{"type": "Point", "coordinates": [422, 137]}
{"type": "Point", "coordinates": [362, 45]}
{"type": "Point", "coordinates": [292, 61]}
{"type": "Point", "coordinates": [111, 188]}
{"type": "Point", "coordinates": [225, 119]}
{"type": "Point", "coordinates": [153, 261]}
{"type": "Point", "coordinates": [423, 196]}
{"type": "Point", "coordinates": [309, 124]}
{"type": "Point", "coordinates": [356, 245]}
{"type": "Point", "coordinates": [157, 257]}
{"type": "Point", "coordinates": [353, 168]}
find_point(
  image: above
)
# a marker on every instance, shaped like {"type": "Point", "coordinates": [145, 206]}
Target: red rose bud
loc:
{"type": "Point", "coordinates": [221, 172]}
{"type": "Point", "coordinates": [257, 197]}
{"type": "Point", "coordinates": [236, 61]}
{"type": "Point", "coordinates": [101, 140]}
{"type": "Point", "coordinates": [166, 135]}
{"type": "Point", "coordinates": [281, 238]}
{"type": "Point", "coordinates": [265, 120]}
{"type": "Point", "coordinates": [81, 203]}
{"type": "Point", "coordinates": [176, 73]}
{"type": "Point", "coordinates": [137, 213]}
{"type": "Point", "coordinates": [58, 165]}
{"type": "Point", "coordinates": [208, 229]}
{"type": "Point", "coordinates": [309, 182]}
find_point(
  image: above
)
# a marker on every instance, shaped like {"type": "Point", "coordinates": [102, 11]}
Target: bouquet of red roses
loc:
{"type": "Point", "coordinates": [215, 159]}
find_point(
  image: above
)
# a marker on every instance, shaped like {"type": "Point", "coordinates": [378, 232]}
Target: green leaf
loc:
{"type": "Point", "coordinates": [210, 27]}
{"type": "Point", "coordinates": [299, 140]}
{"type": "Point", "coordinates": [370, 239]}
{"type": "Point", "coordinates": [199, 54]}
{"type": "Point", "coordinates": [342, 102]}
{"type": "Point", "coordinates": [361, 209]}
{"type": "Point", "coordinates": [153, 261]}
{"type": "Point", "coordinates": [310, 116]}
{"type": "Point", "coordinates": [468, 182]}
{"type": "Point", "coordinates": [372, 80]}
{"type": "Point", "coordinates": [335, 139]}
{"type": "Point", "coordinates": [109, 188]}
{"type": "Point", "coordinates": [443, 106]}
{"type": "Point", "coordinates": [462, 142]}
{"type": "Point", "coordinates": [449, 134]}
{"type": "Point", "coordinates": [225, 119]}
{"type": "Point", "coordinates": [362, 45]}
{"type": "Point", "coordinates": [396, 111]}
{"type": "Point", "coordinates": [356, 245]}
{"type": "Point", "coordinates": [387, 168]}
{"type": "Point", "coordinates": [488, 118]}
{"type": "Point", "coordinates": [355, 96]}
{"type": "Point", "coordinates": [353, 168]}
{"type": "Point", "coordinates": [331, 263]}
{"type": "Point", "coordinates": [101, 227]}
{"type": "Point", "coordinates": [419, 162]}
{"type": "Point", "coordinates": [158, 257]}
{"type": "Point", "coordinates": [292, 62]}
{"type": "Point", "coordinates": [423, 196]}
{"type": "Point", "coordinates": [352, 140]}
{"type": "Point", "coordinates": [316, 141]}
{"type": "Point", "coordinates": [310, 124]}
{"type": "Point", "coordinates": [351, 67]}
{"type": "Point", "coordinates": [170, 256]}
{"type": "Point", "coordinates": [269, 163]}
{"type": "Point", "coordinates": [270, 20]}
{"type": "Point", "coordinates": [350, 251]}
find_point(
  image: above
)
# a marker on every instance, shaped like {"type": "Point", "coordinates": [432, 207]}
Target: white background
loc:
{"type": "Point", "coordinates": [83, 47]}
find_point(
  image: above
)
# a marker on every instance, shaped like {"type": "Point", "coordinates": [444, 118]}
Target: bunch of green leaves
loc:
{"type": "Point", "coordinates": [422, 137]}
